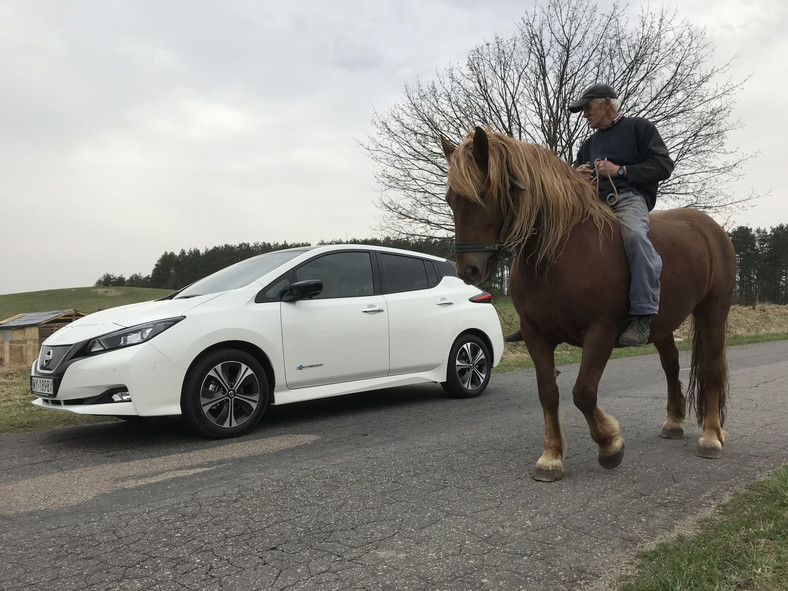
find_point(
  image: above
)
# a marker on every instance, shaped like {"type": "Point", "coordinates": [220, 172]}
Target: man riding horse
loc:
{"type": "Point", "coordinates": [626, 159]}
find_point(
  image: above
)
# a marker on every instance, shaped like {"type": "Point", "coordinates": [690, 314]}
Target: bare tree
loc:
{"type": "Point", "coordinates": [521, 86]}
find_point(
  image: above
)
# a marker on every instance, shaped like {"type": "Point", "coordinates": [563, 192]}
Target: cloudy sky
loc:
{"type": "Point", "coordinates": [133, 127]}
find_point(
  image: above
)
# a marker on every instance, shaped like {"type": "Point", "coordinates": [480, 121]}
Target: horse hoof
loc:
{"type": "Point", "coordinates": [610, 462]}
{"type": "Point", "coordinates": [548, 474]}
{"type": "Point", "coordinates": [710, 452]}
{"type": "Point", "coordinates": [672, 433]}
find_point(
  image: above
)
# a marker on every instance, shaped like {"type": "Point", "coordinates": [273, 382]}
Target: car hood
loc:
{"type": "Point", "coordinates": [112, 319]}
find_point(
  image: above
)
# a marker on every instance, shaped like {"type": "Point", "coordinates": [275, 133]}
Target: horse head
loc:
{"type": "Point", "coordinates": [479, 217]}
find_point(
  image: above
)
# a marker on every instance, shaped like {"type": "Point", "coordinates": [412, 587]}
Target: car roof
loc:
{"type": "Point", "coordinates": [375, 247]}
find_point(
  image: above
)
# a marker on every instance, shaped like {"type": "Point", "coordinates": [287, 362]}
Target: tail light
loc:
{"type": "Point", "coordinates": [482, 298]}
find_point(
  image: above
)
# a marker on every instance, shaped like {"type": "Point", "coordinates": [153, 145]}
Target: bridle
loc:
{"type": "Point", "coordinates": [500, 244]}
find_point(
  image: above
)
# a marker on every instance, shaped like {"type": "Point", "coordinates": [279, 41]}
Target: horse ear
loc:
{"type": "Point", "coordinates": [448, 148]}
{"type": "Point", "coordinates": [481, 149]}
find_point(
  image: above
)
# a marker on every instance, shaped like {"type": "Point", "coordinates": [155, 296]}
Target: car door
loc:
{"type": "Point", "coordinates": [423, 313]}
{"type": "Point", "coordinates": [341, 334]}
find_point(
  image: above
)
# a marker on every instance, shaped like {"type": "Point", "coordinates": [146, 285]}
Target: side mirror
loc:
{"type": "Point", "coordinates": [303, 290]}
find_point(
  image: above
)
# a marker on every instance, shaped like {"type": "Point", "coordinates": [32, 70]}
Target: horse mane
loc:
{"type": "Point", "coordinates": [554, 199]}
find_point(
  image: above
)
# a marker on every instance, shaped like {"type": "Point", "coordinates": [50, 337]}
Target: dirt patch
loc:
{"type": "Point", "coordinates": [764, 319]}
{"type": "Point", "coordinates": [751, 320]}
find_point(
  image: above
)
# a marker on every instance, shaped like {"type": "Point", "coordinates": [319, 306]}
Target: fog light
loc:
{"type": "Point", "coordinates": [121, 397]}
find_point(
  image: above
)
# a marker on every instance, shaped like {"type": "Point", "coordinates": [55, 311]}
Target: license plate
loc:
{"type": "Point", "coordinates": [42, 386]}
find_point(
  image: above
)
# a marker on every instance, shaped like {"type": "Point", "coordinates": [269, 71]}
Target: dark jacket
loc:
{"type": "Point", "coordinates": [633, 142]}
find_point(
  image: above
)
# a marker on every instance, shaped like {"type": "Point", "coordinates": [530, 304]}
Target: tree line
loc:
{"type": "Point", "coordinates": [762, 265]}
{"type": "Point", "coordinates": [761, 256]}
{"type": "Point", "coordinates": [175, 271]}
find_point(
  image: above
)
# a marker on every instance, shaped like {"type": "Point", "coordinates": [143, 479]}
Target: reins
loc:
{"type": "Point", "coordinates": [612, 198]}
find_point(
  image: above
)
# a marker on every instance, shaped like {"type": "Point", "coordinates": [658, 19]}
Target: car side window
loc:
{"type": "Point", "coordinates": [446, 268]}
{"type": "Point", "coordinates": [344, 274]}
{"type": "Point", "coordinates": [432, 274]}
{"type": "Point", "coordinates": [273, 293]}
{"type": "Point", "coordinates": [401, 273]}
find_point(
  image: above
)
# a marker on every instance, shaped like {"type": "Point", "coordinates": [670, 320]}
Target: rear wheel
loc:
{"type": "Point", "coordinates": [469, 367]}
{"type": "Point", "coordinates": [225, 394]}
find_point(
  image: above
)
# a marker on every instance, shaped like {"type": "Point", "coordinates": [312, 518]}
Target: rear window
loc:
{"type": "Point", "coordinates": [446, 268]}
{"type": "Point", "coordinates": [402, 273]}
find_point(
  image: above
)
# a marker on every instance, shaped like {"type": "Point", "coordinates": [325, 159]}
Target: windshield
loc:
{"type": "Point", "coordinates": [240, 274]}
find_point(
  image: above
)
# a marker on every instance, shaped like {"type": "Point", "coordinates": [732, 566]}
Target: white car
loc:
{"type": "Point", "coordinates": [286, 326]}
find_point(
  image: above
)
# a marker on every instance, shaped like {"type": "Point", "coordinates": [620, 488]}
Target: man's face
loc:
{"type": "Point", "coordinates": [598, 114]}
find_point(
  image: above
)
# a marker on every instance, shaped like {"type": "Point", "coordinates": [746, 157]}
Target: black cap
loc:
{"type": "Point", "coordinates": [592, 92]}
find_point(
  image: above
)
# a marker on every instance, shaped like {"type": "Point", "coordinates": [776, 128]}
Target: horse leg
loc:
{"type": "Point", "coordinates": [550, 466]}
{"type": "Point", "coordinates": [673, 427]}
{"type": "Point", "coordinates": [603, 427]}
{"type": "Point", "coordinates": [709, 375]}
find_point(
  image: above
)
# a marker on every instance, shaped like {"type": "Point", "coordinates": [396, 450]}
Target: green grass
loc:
{"type": "Point", "coordinates": [84, 299]}
{"type": "Point", "coordinates": [742, 547]}
{"type": "Point", "coordinates": [18, 415]}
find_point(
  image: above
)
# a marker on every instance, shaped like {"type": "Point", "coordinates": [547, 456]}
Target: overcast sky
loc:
{"type": "Point", "coordinates": [133, 127]}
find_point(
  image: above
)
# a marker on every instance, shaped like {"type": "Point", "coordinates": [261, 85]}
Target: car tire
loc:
{"type": "Point", "coordinates": [469, 367]}
{"type": "Point", "coordinates": [215, 404]}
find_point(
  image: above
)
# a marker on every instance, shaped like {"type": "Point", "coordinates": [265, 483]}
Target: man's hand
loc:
{"type": "Point", "coordinates": [605, 168]}
{"type": "Point", "coordinates": [585, 171]}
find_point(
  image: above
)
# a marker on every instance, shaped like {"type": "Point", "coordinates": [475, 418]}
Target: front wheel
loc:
{"type": "Point", "coordinates": [469, 367]}
{"type": "Point", "coordinates": [225, 394]}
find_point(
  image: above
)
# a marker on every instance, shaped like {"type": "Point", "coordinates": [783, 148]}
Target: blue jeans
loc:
{"type": "Point", "coordinates": [645, 264]}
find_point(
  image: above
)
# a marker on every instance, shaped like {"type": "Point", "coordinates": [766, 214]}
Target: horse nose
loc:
{"type": "Point", "coordinates": [470, 274]}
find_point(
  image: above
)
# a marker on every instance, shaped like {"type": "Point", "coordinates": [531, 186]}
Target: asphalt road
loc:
{"type": "Point", "coordinates": [402, 489]}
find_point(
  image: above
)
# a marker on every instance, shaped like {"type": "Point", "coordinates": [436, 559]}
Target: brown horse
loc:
{"type": "Point", "coordinates": [569, 283]}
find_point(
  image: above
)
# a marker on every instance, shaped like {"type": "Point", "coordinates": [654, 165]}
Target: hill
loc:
{"type": "Point", "coordinates": [84, 299]}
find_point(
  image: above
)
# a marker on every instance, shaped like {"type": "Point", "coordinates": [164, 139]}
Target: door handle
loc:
{"type": "Point", "coordinates": [372, 310]}
{"type": "Point", "coordinates": [445, 302]}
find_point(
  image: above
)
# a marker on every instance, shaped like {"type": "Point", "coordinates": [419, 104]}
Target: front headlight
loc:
{"type": "Point", "coordinates": [130, 336]}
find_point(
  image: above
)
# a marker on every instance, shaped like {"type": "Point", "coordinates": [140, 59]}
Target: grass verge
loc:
{"type": "Point", "coordinates": [742, 546]}
{"type": "Point", "coordinates": [516, 355]}
{"type": "Point", "coordinates": [18, 415]}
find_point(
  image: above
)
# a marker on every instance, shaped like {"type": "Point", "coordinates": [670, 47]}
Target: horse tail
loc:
{"type": "Point", "coordinates": [693, 400]}
{"type": "Point", "coordinates": [708, 372]}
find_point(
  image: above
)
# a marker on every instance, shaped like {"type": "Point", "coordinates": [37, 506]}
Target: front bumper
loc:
{"type": "Point", "coordinates": [87, 384]}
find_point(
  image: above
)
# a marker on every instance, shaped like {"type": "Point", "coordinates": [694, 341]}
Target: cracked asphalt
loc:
{"type": "Point", "coordinates": [398, 490]}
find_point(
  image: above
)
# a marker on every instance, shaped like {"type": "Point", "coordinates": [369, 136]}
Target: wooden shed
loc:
{"type": "Point", "coordinates": [21, 335]}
